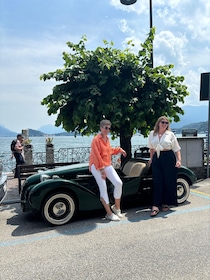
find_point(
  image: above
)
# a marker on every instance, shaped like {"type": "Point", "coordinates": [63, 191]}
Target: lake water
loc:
{"type": "Point", "coordinates": [65, 142]}
{"type": "Point", "coordinates": [69, 142]}
{"type": "Point", "coordinates": [60, 142]}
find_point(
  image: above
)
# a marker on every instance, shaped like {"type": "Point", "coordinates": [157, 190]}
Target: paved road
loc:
{"type": "Point", "coordinates": [173, 245]}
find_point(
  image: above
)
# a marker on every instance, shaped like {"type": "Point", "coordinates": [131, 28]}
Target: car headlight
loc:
{"type": "Point", "coordinates": [55, 177]}
{"type": "Point", "coordinates": [44, 177]}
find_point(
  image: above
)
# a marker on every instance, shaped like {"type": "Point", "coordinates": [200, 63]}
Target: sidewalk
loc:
{"type": "Point", "coordinates": [13, 196]}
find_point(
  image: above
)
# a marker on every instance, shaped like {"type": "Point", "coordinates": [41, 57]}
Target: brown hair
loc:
{"type": "Point", "coordinates": [156, 127]}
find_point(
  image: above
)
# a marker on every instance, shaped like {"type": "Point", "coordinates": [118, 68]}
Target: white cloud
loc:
{"type": "Point", "coordinates": [199, 31]}
{"type": "Point", "coordinates": [123, 26]}
{"type": "Point", "coordinates": [188, 16]}
{"type": "Point", "coordinates": [168, 17]}
{"type": "Point", "coordinates": [192, 80]}
{"type": "Point", "coordinates": [30, 48]}
{"type": "Point", "coordinates": [171, 47]}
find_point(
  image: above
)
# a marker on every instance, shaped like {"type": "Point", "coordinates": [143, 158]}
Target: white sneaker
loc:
{"type": "Point", "coordinates": [117, 212]}
{"type": "Point", "coordinates": [112, 217]}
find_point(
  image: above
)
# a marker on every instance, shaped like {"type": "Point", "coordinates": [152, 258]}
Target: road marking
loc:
{"type": "Point", "coordinates": [87, 228]}
{"type": "Point", "coordinates": [200, 194]}
{"type": "Point", "coordinates": [99, 225]}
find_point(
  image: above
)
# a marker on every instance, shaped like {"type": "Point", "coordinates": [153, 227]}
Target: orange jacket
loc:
{"type": "Point", "coordinates": [101, 152]}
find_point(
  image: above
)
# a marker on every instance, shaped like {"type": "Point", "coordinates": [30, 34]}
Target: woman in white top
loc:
{"type": "Point", "coordinates": [165, 158]}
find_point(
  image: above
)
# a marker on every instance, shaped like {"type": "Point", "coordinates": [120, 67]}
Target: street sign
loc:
{"type": "Point", "coordinates": [205, 86]}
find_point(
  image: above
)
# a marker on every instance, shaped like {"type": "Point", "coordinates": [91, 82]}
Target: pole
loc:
{"type": "Point", "coordinates": [131, 2]}
{"type": "Point", "coordinates": [151, 25]}
{"type": "Point", "coordinates": [208, 138]}
{"type": "Point", "coordinates": [205, 95]}
{"type": "Point", "coordinates": [150, 12]}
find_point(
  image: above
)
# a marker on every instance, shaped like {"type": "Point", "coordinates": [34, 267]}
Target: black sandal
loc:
{"type": "Point", "coordinates": [165, 208]}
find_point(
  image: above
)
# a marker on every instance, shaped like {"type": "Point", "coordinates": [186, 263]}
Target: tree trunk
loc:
{"type": "Point", "coordinates": [125, 144]}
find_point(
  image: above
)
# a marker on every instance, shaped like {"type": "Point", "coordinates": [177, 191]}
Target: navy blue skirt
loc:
{"type": "Point", "coordinates": [164, 179]}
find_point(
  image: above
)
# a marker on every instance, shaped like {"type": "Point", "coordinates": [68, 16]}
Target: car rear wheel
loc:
{"type": "Point", "coordinates": [58, 209]}
{"type": "Point", "coordinates": [183, 190]}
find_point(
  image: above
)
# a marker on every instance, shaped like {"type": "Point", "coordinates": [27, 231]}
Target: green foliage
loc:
{"type": "Point", "coordinates": [113, 84]}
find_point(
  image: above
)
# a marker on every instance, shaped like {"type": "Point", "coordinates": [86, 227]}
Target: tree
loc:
{"type": "Point", "coordinates": [113, 84]}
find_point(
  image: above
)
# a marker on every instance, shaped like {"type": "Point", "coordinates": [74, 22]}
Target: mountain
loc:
{"type": "Point", "coordinates": [202, 127]}
{"type": "Point", "coordinates": [35, 133]}
{"type": "Point", "coordinates": [194, 117]}
{"type": "Point", "coordinates": [4, 132]}
{"type": "Point", "coordinates": [192, 114]}
{"type": "Point", "coordinates": [66, 134]}
{"type": "Point", "coordinates": [51, 129]}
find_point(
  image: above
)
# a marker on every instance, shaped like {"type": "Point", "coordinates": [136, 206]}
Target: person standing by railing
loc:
{"type": "Point", "coordinates": [18, 153]}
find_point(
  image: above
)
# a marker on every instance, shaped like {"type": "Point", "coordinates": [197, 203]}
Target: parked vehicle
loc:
{"type": "Point", "coordinates": [61, 193]}
{"type": "Point", "coordinates": [3, 183]}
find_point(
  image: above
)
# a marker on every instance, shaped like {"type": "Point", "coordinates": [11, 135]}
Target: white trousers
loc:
{"type": "Point", "coordinates": [113, 177]}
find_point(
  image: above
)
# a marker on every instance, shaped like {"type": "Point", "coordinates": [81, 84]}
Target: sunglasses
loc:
{"type": "Point", "coordinates": [107, 128]}
{"type": "Point", "coordinates": [164, 122]}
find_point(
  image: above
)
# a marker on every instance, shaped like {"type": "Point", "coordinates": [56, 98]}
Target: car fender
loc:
{"type": "Point", "coordinates": [85, 199]}
{"type": "Point", "coordinates": [187, 173]}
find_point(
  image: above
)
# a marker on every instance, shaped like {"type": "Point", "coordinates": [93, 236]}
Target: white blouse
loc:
{"type": "Point", "coordinates": [167, 141]}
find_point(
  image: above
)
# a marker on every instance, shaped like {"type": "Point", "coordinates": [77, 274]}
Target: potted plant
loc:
{"type": "Point", "coordinates": [49, 141]}
{"type": "Point", "coordinates": [27, 143]}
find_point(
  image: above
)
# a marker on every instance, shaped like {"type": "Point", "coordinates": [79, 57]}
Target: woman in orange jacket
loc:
{"type": "Point", "coordinates": [101, 168]}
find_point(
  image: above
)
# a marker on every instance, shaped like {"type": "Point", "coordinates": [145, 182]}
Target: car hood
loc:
{"type": "Point", "coordinates": [66, 172]}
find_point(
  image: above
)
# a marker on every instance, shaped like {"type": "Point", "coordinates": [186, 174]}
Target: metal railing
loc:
{"type": "Point", "coordinates": [79, 154]}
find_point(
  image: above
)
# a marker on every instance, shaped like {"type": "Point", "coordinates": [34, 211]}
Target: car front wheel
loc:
{"type": "Point", "coordinates": [58, 209]}
{"type": "Point", "coordinates": [183, 190]}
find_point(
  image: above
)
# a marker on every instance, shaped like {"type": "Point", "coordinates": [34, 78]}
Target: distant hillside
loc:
{"type": "Point", "coordinates": [192, 114]}
{"type": "Point", "coordinates": [35, 133]}
{"type": "Point", "coordinates": [65, 134]}
{"type": "Point", "coordinates": [194, 117]}
{"type": "Point", "coordinates": [4, 132]}
{"type": "Point", "coordinates": [51, 129]}
{"type": "Point", "coordinates": [201, 127]}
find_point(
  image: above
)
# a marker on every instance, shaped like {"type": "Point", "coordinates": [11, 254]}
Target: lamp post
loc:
{"type": "Point", "coordinates": [131, 2]}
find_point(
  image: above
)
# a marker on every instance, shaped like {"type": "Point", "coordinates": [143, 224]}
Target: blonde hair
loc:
{"type": "Point", "coordinates": [105, 122]}
{"type": "Point", "coordinates": [156, 127]}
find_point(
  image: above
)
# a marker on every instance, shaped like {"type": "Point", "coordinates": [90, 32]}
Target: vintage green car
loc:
{"type": "Point", "coordinates": [3, 183]}
{"type": "Point", "coordinates": [3, 187]}
{"type": "Point", "coordinates": [60, 193]}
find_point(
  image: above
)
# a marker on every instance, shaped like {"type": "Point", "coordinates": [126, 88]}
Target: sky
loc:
{"type": "Point", "coordinates": [33, 36]}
